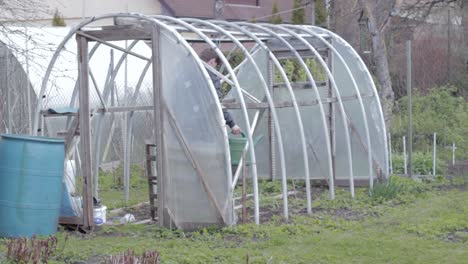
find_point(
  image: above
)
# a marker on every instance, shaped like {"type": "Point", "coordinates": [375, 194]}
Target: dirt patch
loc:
{"type": "Point", "coordinates": [140, 212]}
{"type": "Point", "coordinates": [459, 169]}
{"type": "Point", "coordinates": [343, 213]}
{"type": "Point", "coordinates": [270, 212]}
{"type": "Point", "coordinates": [451, 187]}
{"type": "Point", "coordinates": [459, 236]}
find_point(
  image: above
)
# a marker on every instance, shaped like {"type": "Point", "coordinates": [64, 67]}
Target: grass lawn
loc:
{"type": "Point", "coordinates": [415, 223]}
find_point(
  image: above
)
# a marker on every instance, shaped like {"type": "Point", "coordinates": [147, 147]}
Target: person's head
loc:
{"type": "Point", "coordinates": [209, 56]}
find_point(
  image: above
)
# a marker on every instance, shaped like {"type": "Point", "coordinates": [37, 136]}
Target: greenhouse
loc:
{"type": "Point", "coordinates": [303, 97]}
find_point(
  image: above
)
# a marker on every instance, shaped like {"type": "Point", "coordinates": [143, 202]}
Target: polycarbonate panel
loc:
{"type": "Point", "coordinates": [371, 103]}
{"type": "Point", "coordinates": [358, 138]}
{"type": "Point", "coordinates": [355, 117]}
{"type": "Point", "coordinates": [313, 129]}
{"type": "Point", "coordinates": [342, 168]}
{"type": "Point", "coordinates": [250, 82]}
{"type": "Point", "coordinates": [377, 131]}
{"type": "Point", "coordinates": [195, 111]}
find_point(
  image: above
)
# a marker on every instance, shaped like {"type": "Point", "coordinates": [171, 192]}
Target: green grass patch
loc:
{"type": "Point", "coordinates": [111, 187]}
{"type": "Point", "coordinates": [429, 225]}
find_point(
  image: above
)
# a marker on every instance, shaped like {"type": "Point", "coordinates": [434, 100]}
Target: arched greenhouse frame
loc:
{"type": "Point", "coordinates": [326, 126]}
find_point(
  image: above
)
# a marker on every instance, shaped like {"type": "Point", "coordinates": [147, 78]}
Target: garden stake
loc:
{"type": "Point", "coordinates": [244, 191]}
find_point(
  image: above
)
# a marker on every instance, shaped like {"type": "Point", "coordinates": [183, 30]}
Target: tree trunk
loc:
{"type": "Point", "coordinates": [379, 57]}
{"type": "Point", "coordinates": [331, 15]}
{"type": "Point", "coordinates": [312, 12]}
{"type": "Point", "coordinates": [465, 30]}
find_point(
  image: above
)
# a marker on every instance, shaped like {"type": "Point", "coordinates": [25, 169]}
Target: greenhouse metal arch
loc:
{"type": "Point", "coordinates": [329, 129]}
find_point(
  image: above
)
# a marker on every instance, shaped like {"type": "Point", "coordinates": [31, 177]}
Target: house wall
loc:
{"type": "Point", "coordinates": [234, 9]}
{"type": "Point", "coordinates": [72, 10]}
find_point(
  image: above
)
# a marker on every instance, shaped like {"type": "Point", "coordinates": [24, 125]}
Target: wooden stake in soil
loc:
{"type": "Point", "coordinates": [244, 191]}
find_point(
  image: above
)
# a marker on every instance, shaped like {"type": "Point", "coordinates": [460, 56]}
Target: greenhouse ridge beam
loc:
{"type": "Point", "coordinates": [187, 123]}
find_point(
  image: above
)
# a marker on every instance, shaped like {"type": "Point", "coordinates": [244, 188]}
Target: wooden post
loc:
{"type": "Point", "coordinates": [331, 115]}
{"type": "Point", "coordinates": [85, 133]}
{"type": "Point", "coordinates": [244, 191]}
{"type": "Point", "coordinates": [434, 153]}
{"type": "Point", "coordinates": [409, 79]}
{"type": "Point", "coordinates": [312, 12]}
{"type": "Point", "coordinates": [158, 116]}
{"type": "Point", "coordinates": [453, 153]}
{"type": "Point", "coordinates": [150, 177]}
{"type": "Point", "coordinates": [405, 163]}
{"type": "Point", "coordinates": [271, 133]}
{"type": "Point", "coordinates": [390, 152]}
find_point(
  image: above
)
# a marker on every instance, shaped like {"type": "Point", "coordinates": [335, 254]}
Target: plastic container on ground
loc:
{"type": "Point", "coordinates": [100, 214]}
{"type": "Point", "coordinates": [31, 173]}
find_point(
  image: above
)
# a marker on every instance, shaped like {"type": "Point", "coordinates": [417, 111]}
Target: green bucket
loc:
{"type": "Point", "coordinates": [237, 145]}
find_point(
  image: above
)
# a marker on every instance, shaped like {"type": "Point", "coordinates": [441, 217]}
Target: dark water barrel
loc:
{"type": "Point", "coordinates": [31, 172]}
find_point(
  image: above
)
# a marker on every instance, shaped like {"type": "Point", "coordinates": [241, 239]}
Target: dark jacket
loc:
{"type": "Point", "coordinates": [217, 84]}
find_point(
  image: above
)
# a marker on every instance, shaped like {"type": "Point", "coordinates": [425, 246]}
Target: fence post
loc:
{"type": "Point", "coordinates": [434, 157]}
{"type": "Point", "coordinates": [404, 156]}
{"type": "Point", "coordinates": [453, 153]}
{"type": "Point", "coordinates": [409, 83]}
{"type": "Point", "coordinates": [390, 153]}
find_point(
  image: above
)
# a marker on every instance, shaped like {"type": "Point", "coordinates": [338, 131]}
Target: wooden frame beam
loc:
{"type": "Point", "coordinates": [118, 33]}
{"type": "Point", "coordinates": [284, 104]}
{"type": "Point", "coordinates": [159, 127]}
{"type": "Point", "coordinates": [85, 133]}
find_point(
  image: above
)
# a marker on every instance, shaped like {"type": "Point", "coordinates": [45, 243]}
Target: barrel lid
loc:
{"type": "Point", "coordinates": [33, 138]}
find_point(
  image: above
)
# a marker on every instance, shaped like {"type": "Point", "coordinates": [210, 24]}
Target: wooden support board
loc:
{"type": "Point", "coordinates": [159, 126]}
{"type": "Point", "coordinates": [283, 104]}
{"type": "Point", "coordinates": [117, 33]}
{"type": "Point", "coordinates": [85, 133]}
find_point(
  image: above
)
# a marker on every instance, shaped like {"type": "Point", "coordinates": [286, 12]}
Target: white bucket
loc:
{"type": "Point", "coordinates": [99, 214]}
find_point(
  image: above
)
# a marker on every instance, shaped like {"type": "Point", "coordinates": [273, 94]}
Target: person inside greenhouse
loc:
{"type": "Point", "coordinates": [211, 58]}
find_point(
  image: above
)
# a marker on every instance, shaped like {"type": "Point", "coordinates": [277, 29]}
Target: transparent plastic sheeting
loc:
{"type": "Point", "coordinates": [250, 82]}
{"type": "Point", "coordinates": [190, 101]}
{"type": "Point", "coordinates": [315, 138]}
{"type": "Point", "coordinates": [371, 105]}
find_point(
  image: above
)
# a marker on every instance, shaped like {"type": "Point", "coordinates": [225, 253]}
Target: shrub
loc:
{"type": "Point", "coordinates": [58, 20]}
{"type": "Point", "coordinates": [439, 111]}
{"type": "Point", "coordinates": [385, 191]}
{"type": "Point", "coordinates": [396, 186]}
{"type": "Point", "coordinates": [422, 164]}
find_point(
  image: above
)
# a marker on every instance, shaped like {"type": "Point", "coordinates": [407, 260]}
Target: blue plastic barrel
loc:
{"type": "Point", "coordinates": [31, 172]}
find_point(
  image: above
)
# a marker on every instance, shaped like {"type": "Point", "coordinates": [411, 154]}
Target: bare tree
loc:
{"type": "Point", "coordinates": [419, 10]}
{"type": "Point", "coordinates": [380, 15]}
{"type": "Point", "coordinates": [465, 31]}
{"type": "Point", "coordinates": [15, 16]}
{"type": "Point", "coordinates": [19, 13]}
{"type": "Point", "coordinates": [386, 19]}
